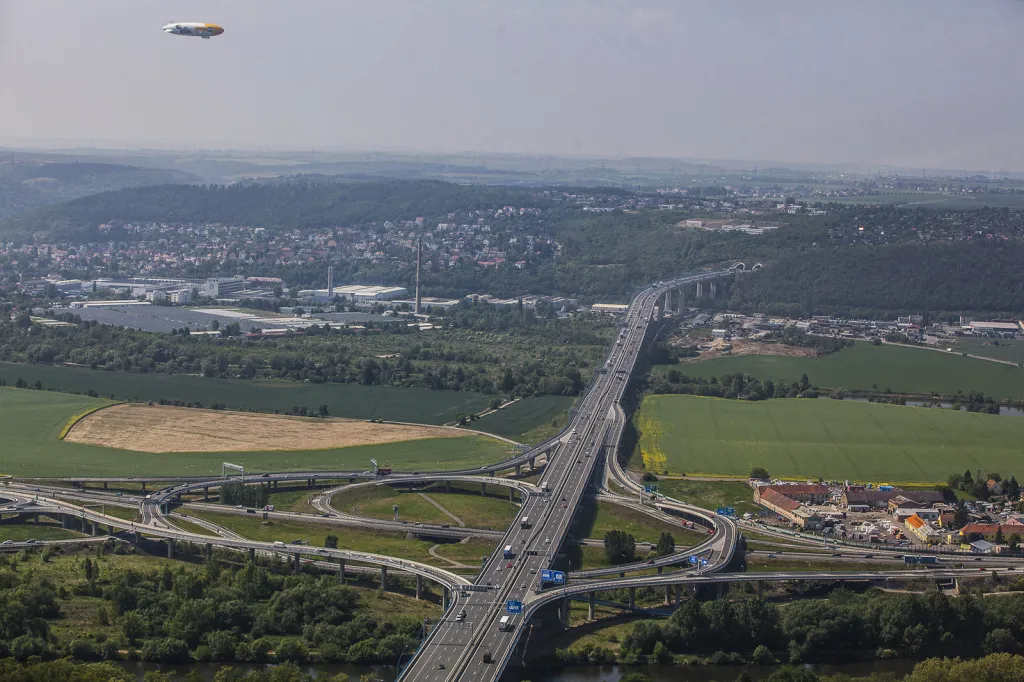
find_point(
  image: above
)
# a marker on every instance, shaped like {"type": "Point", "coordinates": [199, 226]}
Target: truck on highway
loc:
{"type": "Point", "coordinates": [508, 552]}
{"type": "Point", "coordinates": [268, 507]}
{"type": "Point", "coordinates": [505, 624]}
{"type": "Point", "coordinates": [278, 543]}
{"type": "Point", "coordinates": [525, 523]}
{"type": "Point", "coordinates": [913, 559]}
{"type": "Point", "coordinates": [545, 488]}
{"type": "Point", "coordinates": [384, 471]}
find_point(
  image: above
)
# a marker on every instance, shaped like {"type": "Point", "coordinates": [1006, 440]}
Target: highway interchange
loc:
{"type": "Point", "coordinates": [466, 643]}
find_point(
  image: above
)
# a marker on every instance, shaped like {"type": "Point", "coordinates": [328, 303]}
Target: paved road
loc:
{"type": "Point", "coordinates": [455, 649]}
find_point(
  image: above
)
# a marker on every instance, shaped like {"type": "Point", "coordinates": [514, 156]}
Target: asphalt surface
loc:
{"type": "Point", "coordinates": [456, 647]}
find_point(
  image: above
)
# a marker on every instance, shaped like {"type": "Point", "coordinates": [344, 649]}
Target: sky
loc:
{"type": "Point", "coordinates": [913, 83]}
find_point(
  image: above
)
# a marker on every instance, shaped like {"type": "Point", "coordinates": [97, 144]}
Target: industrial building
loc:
{"type": "Point", "coordinates": [997, 329]}
{"type": "Point", "coordinates": [357, 293]}
{"type": "Point", "coordinates": [217, 287]}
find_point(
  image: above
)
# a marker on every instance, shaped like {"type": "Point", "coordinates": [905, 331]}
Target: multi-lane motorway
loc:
{"type": "Point", "coordinates": [473, 646]}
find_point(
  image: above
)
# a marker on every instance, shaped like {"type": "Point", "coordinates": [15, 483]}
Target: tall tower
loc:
{"type": "Point", "coordinates": [419, 257]}
{"type": "Point", "coordinates": [330, 281]}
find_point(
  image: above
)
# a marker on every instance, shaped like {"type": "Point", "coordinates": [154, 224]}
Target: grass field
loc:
{"type": "Point", "coordinates": [343, 400]}
{"type": "Point", "coordinates": [44, 530]}
{"type": "Point", "coordinates": [528, 420]}
{"type": "Point", "coordinates": [711, 494]}
{"type": "Point", "coordinates": [833, 439]}
{"type": "Point", "coordinates": [465, 501]}
{"type": "Point", "coordinates": [391, 544]}
{"type": "Point", "coordinates": [1011, 350]}
{"type": "Point", "coordinates": [30, 422]}
{"type": "Point", "coordinates": [596, 519]}
{"type": "Point", "coordinates": [865, 366]}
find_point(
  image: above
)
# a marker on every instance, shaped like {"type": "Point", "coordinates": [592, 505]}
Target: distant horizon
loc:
{"type": "Point", "coordinates": [198, 148]}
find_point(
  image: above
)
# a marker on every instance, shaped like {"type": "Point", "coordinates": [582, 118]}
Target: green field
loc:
{"type": "Point", "coordinates": [1011, 350]}
{"type": "Point", "coordinates": [711, 494]}
{"type": "Point", "coordinates": [833, 439]}
{"type": "Point", "coordinates": [391, 544]}
{"type": "Point", "coordinates": [866, 367]}
{"type": "Point", "coordinates": [596, 519]}
{"type": "Point", "coordinates": [492, 511]}
{"type": "Point", "coordinates": [44, 530]}
{"type": "Point", "coordinates": [528, 420]}
{"type": "Point", "coordinates": [30, 422]}
{"type": "Point", "coordinates": [343, 400]}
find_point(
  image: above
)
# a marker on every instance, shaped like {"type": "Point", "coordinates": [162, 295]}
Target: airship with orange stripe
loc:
{"type": "Point", "coordinates": [194, 29]}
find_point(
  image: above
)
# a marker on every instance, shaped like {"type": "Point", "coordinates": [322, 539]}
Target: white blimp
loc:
{"type": "Point", "coordinates": [194, 29]}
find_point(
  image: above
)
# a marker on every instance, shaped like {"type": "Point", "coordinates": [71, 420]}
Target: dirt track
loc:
{"type": "Point", "coordinates": [181, 429]}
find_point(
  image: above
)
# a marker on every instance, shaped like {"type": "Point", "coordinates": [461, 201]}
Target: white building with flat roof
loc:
{"type": "Point", "coordinates": [996, 328]}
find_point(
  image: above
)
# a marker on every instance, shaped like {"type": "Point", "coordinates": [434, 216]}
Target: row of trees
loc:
{"type": "Point", "coordinates": [733, 386]}
{"type": "Point", "coordinates": [537, 357]}
{"type": "Point", "coordinates": [842, 627]}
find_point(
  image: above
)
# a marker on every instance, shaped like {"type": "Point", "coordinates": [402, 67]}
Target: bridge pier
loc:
{"type": "Point", "coordinates": [209, 551]}
{"type": "Point", "coordinates": [170, 548]}
{"type": "Point", "coordinates": [721, 590]}
{"type": "Point", "coordinates": [511, 494]}
{"type": "Point", "coordinates": [519, 469]}
{"type": "Point", "coordinates": [110, 530]}
{"type": "Point", "coordinates": [252, 555]}
{"type": "Point", "coordinates": [104, 485]}
{"type": "Point", "coordinates": [564, 612]}
{"type": "Point", "coordinates": [668, 595]}
{"type": "Point", "coordinates": [632, 598]}
{"type": "Point", "coordinates": [206, 493]}
{"type": "Point", "coordinates": [341, 570]}
{"type": "Point", "coordinates": [590, 605]}
{"type": "Point", "coordinates": [95, 528]}
{"type": "Point", "coordinates": [143, 487]}
{"type": "Point", "coordinates": [712, 287]}
{"type": "Point", "coordinates": [483, 489]}
{"type": "Point", "coordinates": [760, 589]}
{"type": "Point", "coordinates": [533, 465]}
{"type": "Point", "coordinates": [297, 565]}
{"type": "Point", "coordinates": [384, 578]}
{"type": "Point", "coordinates": [419, 586]}
{"type": "Point", "coordinates": [661, 569]}
{"type": "Point", "coordinates": [444, 599]}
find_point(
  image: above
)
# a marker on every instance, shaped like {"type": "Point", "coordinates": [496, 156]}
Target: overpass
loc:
{"type": "Point", "coordinates": [456, 648]}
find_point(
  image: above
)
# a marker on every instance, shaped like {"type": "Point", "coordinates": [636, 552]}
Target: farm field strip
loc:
{"type": "Point", "coordinates": [144, 428]}
{"type": "Point", "coordinates": [831, 439]}
{"type": "Point", "coordinates": [867, 367]}
{"type": "Point", "coordinates": [30, 422]}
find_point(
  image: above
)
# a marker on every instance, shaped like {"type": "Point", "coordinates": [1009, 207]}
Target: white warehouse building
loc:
{"type": "Point", "coordinates": [357, 293]}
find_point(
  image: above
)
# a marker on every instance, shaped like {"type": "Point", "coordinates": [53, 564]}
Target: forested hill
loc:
{"type": "Point", "coordinates": [306, 202]}
{"type": "Point", "coordinates": [30, 185]}
{"type": "Point", "coordinates": [879, 282]}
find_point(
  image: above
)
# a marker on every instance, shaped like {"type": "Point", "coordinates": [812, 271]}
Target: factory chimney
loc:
{"type": "Point", "coordinates": [419, 257]}
{"type": "Point", "coordinates": [330, 281]}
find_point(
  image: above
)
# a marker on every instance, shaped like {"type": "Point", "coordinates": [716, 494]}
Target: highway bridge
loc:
{"type": "Point", "coordinates": [473, 647]}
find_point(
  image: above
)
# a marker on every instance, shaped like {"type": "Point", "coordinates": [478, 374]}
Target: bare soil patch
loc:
{"type": "Point", "coordinates": [720, 348]}
{"type": "Point", "coordinates": [181, 429]}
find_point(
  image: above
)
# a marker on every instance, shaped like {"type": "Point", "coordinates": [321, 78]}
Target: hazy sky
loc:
{"type": "Point", "coordinates": [921, 83]}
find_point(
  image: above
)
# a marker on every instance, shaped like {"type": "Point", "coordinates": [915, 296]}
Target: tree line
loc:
{"type": "Point", "coordinates": [845, 626]}
{"type": "Point", "coordinates": [509, 352]}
